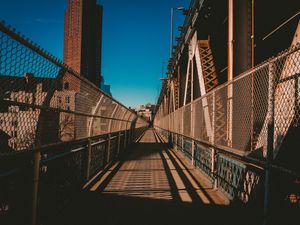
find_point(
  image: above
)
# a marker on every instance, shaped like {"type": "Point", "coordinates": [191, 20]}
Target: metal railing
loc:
{"type": "Point", "coordinates": [235, 133]}
{"type": "Point", "coordinates": [57, 130]}
{"type": "Point", "coordinates": [243, 108]}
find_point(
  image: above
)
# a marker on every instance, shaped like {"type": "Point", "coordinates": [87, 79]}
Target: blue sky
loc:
{"type": "Point", "coordinates": [136, 39]}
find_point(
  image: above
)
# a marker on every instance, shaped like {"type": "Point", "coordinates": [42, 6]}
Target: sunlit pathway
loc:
{"type": "Point", "coordinates": [152, 171]}
{"type": "Point", "coordinates": [151, 185]}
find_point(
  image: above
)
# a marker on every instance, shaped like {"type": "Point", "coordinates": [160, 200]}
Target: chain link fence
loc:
{"type": "Point", "coordinates": [242, 129]}
{"type": "Point", "coordinates": [57, 130]}
{"type": "Point", "coordinates": [43, 101]}
{"type": "Point", "coordinates": [235, 115]}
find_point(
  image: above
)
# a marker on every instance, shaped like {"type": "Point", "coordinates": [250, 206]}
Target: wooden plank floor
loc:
{"type": "Point", "coordinates": [152, 171]}
{"type": "Point", "coordinates": [152, 185]}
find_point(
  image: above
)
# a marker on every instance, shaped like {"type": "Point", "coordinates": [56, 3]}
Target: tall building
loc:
{"type": "Point", "coordinates": [146, 111]}
{"type": "Point", "coordinates": [83, 38]}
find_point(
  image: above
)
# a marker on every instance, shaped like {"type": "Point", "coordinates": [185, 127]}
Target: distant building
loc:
{"type": "Point", "coordinates": [105, 87]}
{"type": "Point", "coordinates": [146, 111]}
{"type": "Point", "coordinates": [83, 39]}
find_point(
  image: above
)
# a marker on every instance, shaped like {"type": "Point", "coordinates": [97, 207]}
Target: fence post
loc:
{"type": "Point", "coordinates": [229, 112]}
{"type": "Point", "coordinates": [193, 132]}
{"type": "Point", "coordinates": [125, 138]}
{"type": "Point", "coordinates": [119, 143]}
{"type": "Point", "coordinates": [89, 155]}
{"type": "Point", "coordinates": [193, 152]}
{"type": "Point", "coordinates": [108, 148]}
{"type": "Point", "coordinates": [36, 176]}
{"type": "Point", "coordinates": [270, 144]}
{"type": "Point", "coordinates": [213, 150]}
{"type": "Point", "coordinates": [129, 136]}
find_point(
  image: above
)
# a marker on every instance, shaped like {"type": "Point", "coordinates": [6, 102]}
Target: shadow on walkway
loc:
{"type": "Point", "coordinates": [152, 185]}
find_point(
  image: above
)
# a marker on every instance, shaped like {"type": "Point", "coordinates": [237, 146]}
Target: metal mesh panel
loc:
{"type": "Point", "coordinates": [199, 121]}
{"type": "Point", "coordinates": [238, 113]}
{"type": "Point", "coordinates": [230, 174]}
{"type": "Point", "coordinates": [126, 116]}
{"type": "Point", "coordinates": [113, 148]}
{"type": "Point", "coordinates": [44, 101]}
{"type": "Point", "coordinates": [98, 154]}
{"type": "Point", "coordinates": [208, 114]}
{"type": "Point", "coordinates": [187, 120]}
{"type": "Point", "coordinates": [203, 159]}
{"type": "Point", "coordinates": [220, 117]}
{"type": "Point", "coordinates": [187, 147]}
{"type": "Point", "coordinates": [286, 105]}
{"type": "Point", "coordinates": [59, 179]}
{"type": "Point", "coordinates": [115, 123]}
{"type": "Point", "coordinates": [241, 114]}
{"type": "Point", "coordinates": [45, 105]}
{"type": "Point", "coordinates": [172, 122]}
{"type": "Point", "coordinates": [260, 106]}
{"type": "Point", "coordinates": [180, 118]}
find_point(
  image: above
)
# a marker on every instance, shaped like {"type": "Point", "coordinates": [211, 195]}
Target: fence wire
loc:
{"type": "Point", "coordinates": [43, 101]}
{"type": "Point", "coordinates": [56, 123]}
{"type": "Point", "coordinates": [235, 115]}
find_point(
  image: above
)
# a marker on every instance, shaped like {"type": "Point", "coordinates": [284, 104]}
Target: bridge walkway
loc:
{"type": "Point", "coordinates": [151, 185]}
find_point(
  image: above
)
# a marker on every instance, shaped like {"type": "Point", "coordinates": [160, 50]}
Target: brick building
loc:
{"type": "Point", "coordinates": [18, 123]}
{"type": "Point", "coordinates": [83, 40]}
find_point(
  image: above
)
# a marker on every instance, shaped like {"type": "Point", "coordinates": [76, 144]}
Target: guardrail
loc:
{"type": "Point", "coordinates": [62, 171]}
{"type": "Point", "coordinates": [235, 116]}
{"type": "Point", "coordinates": [242, 134]}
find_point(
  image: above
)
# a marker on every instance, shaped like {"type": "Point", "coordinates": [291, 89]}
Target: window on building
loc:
{"type": "Point", "coordinates": [66, 85]}
{"type": "Point", "coordinates": [68, 99]}
{"type": "Point", "coordinates": [27, 100]}
{"type": "Point", "coordinates": [68, 107]}
{"type": "Point", "coordinates": [14, 123]}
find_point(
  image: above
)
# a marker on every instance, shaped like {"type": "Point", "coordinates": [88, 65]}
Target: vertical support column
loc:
{"type": "Point", "coordinates": [186, 82]}
{"type": "Point", "coordinates": [178, 88]}
{"type": "Point", "coordinates": [108, 147]}
{"type": "Point", "coordinates": [36, 177]}
{"type": "Point", "coordinates": [125, 137]}
{"type": "Point", "coordinates": [230, 71]}
{"type": "Point", "coordinates": [181, 132]}
{"type": "Point", "coordinates": [230, 40]}
{"type": "Point", "coordinates": [242, 32]}
{"type": "Point", "coordinates": [192, 115]}
{"type": "Point", "coordinates": [129, 136]}
{"type": "Point", "coordinates": [270, 144]}
{"type": "Point", "coordinates": [252, 33]}
{"type": "Point", "coordinates": [193, 145]}
{"type": "Point", "coordinates": [213, 150]}
{"type": "Point", "coordinates": [193, 152]}
{"type": "Point", "coordinates": [133, 134]}
{"type": "Point", "coordinates": [88, 161]}
{"type": "Point", "coordinates": [252, 74]}
{"type": "Point", "coordinates": [119, 143]}
{"type": "Point", "coordinates": [229, 112]}
{"type": "Point", "coordinates": [182, 119]}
